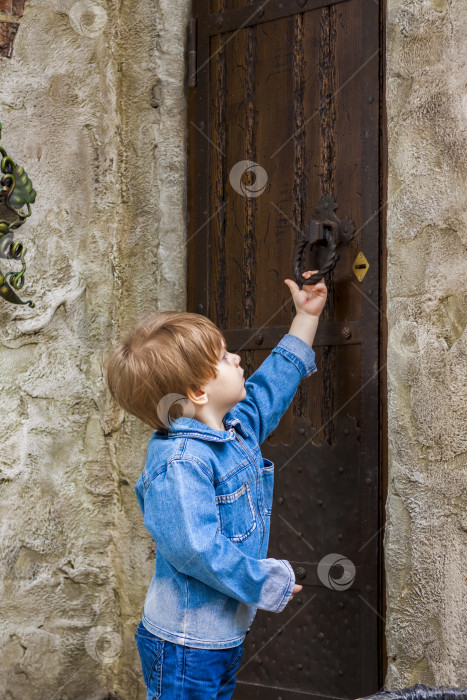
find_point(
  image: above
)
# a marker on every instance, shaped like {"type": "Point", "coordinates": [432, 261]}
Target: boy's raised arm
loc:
{"type": "Point", "coordinates": [180, 513]}
{"type": "Point", "coordinates": [271, 388]}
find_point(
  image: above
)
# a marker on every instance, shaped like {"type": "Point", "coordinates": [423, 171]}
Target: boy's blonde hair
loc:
{"type": "Point", "coordinates": [165, 352]}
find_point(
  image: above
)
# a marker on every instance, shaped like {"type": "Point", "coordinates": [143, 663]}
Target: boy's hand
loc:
{"type": "Point", "coordinates": [296, 589]}
{"type": "Point", "coordinates": [311, 299]}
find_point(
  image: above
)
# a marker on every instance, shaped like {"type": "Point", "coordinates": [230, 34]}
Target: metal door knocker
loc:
{"type": "Point", "coordinates": [325, 229]}
{"type": "Point", "coordinates": [16, 192]}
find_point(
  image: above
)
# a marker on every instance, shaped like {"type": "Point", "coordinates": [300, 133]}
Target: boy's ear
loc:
{"type": "Point", "coordinates": [197, 396]}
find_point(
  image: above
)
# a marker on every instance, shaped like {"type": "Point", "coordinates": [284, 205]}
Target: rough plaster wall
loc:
{"type": "Point", "coordinates": [425, 538]}
{"type": "Point", "coordinates": [83, 111]}
{"type": "Point", "coordinates": [93, 106]}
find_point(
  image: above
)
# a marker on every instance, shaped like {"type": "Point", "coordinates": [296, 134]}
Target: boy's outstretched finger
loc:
{"type": "Point", "coordinates": [293, 286]}
{"type": "Point", "coordinates": [309, 273]}
{"type": "Point", "coordinates": [296, 589]}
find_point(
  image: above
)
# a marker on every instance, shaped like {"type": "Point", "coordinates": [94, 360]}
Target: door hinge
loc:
{"type": "Point", "coordinates": [192, 52]}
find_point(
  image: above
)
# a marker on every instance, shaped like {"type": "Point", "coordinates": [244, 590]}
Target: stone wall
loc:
{"type": "Point", "coordinates": [93, 105]}
{"type": "Point", "coordinates": [425, 537]}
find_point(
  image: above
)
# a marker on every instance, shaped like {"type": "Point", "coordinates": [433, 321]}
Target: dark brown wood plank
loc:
{"type": "Point", "coordinates": [218, 260]}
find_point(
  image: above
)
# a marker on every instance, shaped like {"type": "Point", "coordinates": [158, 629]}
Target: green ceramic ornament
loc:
{"type": "Point", "coordinates": [16, 192]}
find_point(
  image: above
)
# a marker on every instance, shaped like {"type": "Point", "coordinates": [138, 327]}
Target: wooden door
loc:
{"type": "Point", "coordinates": [290, 91]}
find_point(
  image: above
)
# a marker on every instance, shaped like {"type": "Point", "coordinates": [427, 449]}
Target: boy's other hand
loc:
{"type": "Point", "coordinates": [296, 589]}
{"type": "Point", "coordinates": [311, 298]}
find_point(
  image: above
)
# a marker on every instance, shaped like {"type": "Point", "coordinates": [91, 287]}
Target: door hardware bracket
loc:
{"type": "Point", "coordinates": [323, 229]}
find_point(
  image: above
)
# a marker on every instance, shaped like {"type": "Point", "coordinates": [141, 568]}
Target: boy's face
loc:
{"type": "Point", "coordinates": [221, 394]}
{"type": "Point", "coordinates": [230, 382]}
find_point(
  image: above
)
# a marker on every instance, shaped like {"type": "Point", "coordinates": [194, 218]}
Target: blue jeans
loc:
{"type": "Point", "coordinates": [176, 672]}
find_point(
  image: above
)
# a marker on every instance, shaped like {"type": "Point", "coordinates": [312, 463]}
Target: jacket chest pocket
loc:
{"type": "Point", "coordinates": [236, 513]}
{"type": "Point", "coordinates": [267, 473]}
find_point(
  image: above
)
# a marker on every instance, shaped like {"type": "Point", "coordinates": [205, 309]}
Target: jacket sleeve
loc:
{"type": "Point", "coordinates": [180, 513]}
{"type": "Point", "coordinates": [271, 388]}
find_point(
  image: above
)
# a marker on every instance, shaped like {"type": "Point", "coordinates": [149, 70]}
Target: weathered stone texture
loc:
{"type": "Point", "coordinates": [425, 538]}
{"type": "Point", "coordinates": [93, 106]}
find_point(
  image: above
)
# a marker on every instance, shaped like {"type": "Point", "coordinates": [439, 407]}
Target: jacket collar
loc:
{"type": "Point", "coordinates": [189, 427]}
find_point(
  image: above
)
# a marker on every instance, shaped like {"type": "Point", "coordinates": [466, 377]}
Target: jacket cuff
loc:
{"type": "Point", "coordinates": [289, 590]}
{"type": "Point", "coordinates": [300, 353]}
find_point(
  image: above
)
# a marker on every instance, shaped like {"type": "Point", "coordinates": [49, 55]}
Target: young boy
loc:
{"type": "Point", "coordinates": [205, 491]}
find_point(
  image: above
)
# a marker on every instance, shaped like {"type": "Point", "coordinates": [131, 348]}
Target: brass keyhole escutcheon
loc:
{"type": "Point", "coordinates": [360, 266]}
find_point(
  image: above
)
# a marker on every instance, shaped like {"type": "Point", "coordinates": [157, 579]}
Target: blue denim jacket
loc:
{"type": "Point", "coordinates": [206, 498]}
